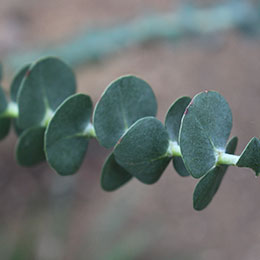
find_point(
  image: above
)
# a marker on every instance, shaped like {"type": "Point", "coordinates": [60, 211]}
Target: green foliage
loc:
{"type": "Point", "coordinates": [209, 184]}
{"type": "Point", "coordinates": [17, 81]}
{"type": "Point", "coordinates": [125, 100]}
{"type": "Point", "coordinates": [1, 72]}
{"type": "Point", "coordinates": [5, 123]}
{"type": "Point", "coordinates": [67, 135]}
{"type": "Point", "coordinates": [29, 149]}
{"type": "Point", "coordinates": [3, 101]}
{"type": "Point", "coordinates": [173, 124]}
{"type": "Point", "coordinates": [47, 83]}
{"type": "Point", "coordinates": [250, 157]}
{"type": "Point", "coordinates": [113, 175]}
{"type": "Point", "coordinates": [205, 129]}
{"type": "Point", "coordinates": [142, 151]}
{"type": "Point", "coordinates": [54, 124]}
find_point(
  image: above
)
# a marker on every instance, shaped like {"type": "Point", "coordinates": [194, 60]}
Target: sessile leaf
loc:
{"type": "Point", "coordinates": [142, 151]}
{"type": "Point", "coordinates": [205, 129]}
{"type": "Point", "coordinates": [125, 100]}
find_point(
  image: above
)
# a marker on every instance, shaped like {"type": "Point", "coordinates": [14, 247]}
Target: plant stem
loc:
{"type": "Point", "coordinates": [90, 131]}
{"type": "Point", "coordinates": [173, 149]}
{"type": "Point", "coordinates": [223, 158]}
{"type": "Point", "coordinates": [48, 116]}
{"type": "Point", "coordinates": [11, 111]}
{"type": "Point", "coordinates": [228, 159]}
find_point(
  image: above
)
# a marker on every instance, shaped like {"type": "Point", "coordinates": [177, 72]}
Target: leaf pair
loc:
{"type": "Point", "coordinates": [5, 119]}
{"type": "Point", "coordinates": [5, 122]}
{"type": "Point", "coordinates": [67, 135]}
{"type": "Point", "coordinates": [209, 184]}
{"type": "Point", "coordinates": [143, 149]}
{"type": "Point", "coordinates": [205, 128]}
{"type": "Point", "coordinates": [38, 90]}
{"type": "Point", "coordinates": [125, 101]}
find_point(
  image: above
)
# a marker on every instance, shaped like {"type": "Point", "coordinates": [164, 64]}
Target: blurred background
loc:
{"type": "Point", "coordinates": [180, 48]}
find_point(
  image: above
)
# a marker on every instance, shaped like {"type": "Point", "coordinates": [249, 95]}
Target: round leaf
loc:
{"type": "Point", "coordinates": [17, 129]}
{"type": "Point", "coordinates": [125, 100]}
{"type": "Point", "coordinates": [1, 72]}
{"type": "Point", "coordinates": [3, 101]}
{"type": "Point", "coordinates": [209, 184]}
{"type": "Point", "coordinates": [250, 157]}
{"type": "Point", "coordinates": [142, 151]}
{"type": "Point", "coordinates": [66, 137]}
{"type": "Point", "coordinates": [17, 81]}
{"type": "Point", "coordinates": [173, 124]}
{"type": "Point", "coordinates": [179, 166]}
{"type": "Point", "coordinates": [113, 175]}
{"type": "Point", "coordinates": [29, 149]}
{"type": "Point", "coordinates": [47, 84]}
{"type": "Point", "coordinates": [205, 128]}
{"type": "Point", "coordinates": [5, 124]}
{"type": "Point", "coordinates": [174, 116]}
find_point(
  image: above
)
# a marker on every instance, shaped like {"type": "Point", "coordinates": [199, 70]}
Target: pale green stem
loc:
{"type": "Point", "coordinates": [48, 116]}
{"type": "Point", "coordinates": [11, 111]}
{"type": "Point", "coordinates": [173, 149]}
{"type": "Point", "coordinates": [228, 159]}
{"type": "Point", "coordinates": [223, 158]}
{"type": "Point", "coordinates": [90, 131]}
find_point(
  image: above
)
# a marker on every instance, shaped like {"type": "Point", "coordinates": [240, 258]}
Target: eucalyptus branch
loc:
{"type": "Point", "coordinates": [54, 124]}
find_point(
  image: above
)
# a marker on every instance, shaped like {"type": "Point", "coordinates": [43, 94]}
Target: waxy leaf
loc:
{"type": "Point", "coordinates": [205, 129]}
{"type": "Point", "coordinates": [29, 149]}
{"type": "Point", "coordinates": [5, 124]}
{"type": "Point", "coordinates": [250, 157]}
{"type": "Point", "coordinates": [174, 116]}
{"type": "Point", "coordinates": [1, 72]}
{"type": "Point", "coordinates": [17, 82]}
{"type": "Point", "coordinates": [179, 166]}
{"type": "Point", "coordinates": [46, 85]}
{"type": "Point", "coordinates": [209, 184]}
{"type": "Point", "coordinates": [14, 89]}
{"type": "Point", "coordinates": [173, 124]}
{"type": "Point", "coordinates": [113, 175]}
{"type": "Point", "coordinates": [142, 151]}
{"type": "Point", "coordinates": [125, 100]}
{"type": "Point", "coordinates": [67, 136]}
{"type": "Point", "coordinates": [3, 101]}
{"type": "Point", "coordinates": [17, 128]}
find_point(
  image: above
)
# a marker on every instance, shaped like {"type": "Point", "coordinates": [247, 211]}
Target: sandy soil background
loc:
{"type": "Point", "coordinates": [43, 216]}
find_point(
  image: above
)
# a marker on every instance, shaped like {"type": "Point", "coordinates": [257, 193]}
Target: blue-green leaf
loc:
{"type": "Point", "coordinates": [1, 72]}
{"type": "Point", "coordinates": [29, 149]}
{"type": "Point", "coordinates": [250, 157]}
{"type": "Point", "coordinates": [179, 166]}
{"type": "Point", "coordinates": [174, 116]}
{"type": "Point", "coordinates": [205, 129]}
{"type": "Point", "coordinates": [113, 175]}
{"type": "Point", "coordinates": [125, 100]}
{"type": "Point", "coordinates": [67, 135]}
{"type": "Point", "coordinates": [209, 184]}
{"type": "Point", "coordinates": [17, 82]}
{"type": "Point", "coordinates": [142, 151]}
{"type": "Point", "coordinates": [173, 124]}
{"type": "Point", "coordinates": [47, 83]}
{"type": "Point", "coordinates": [3, 101]}
{"type": "Point", "coordinates": [5, 124]}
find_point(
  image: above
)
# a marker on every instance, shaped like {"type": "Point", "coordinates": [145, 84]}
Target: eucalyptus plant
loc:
{"type": "Point", "coordinates": [54, 124]}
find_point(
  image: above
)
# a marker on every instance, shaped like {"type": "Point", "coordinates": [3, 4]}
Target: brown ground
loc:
{"type": "Point", "coordinates": [72, 218]}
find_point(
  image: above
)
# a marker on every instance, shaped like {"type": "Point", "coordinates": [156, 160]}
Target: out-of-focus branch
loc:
{"type": "Point", "coordinates": [187, 21]}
